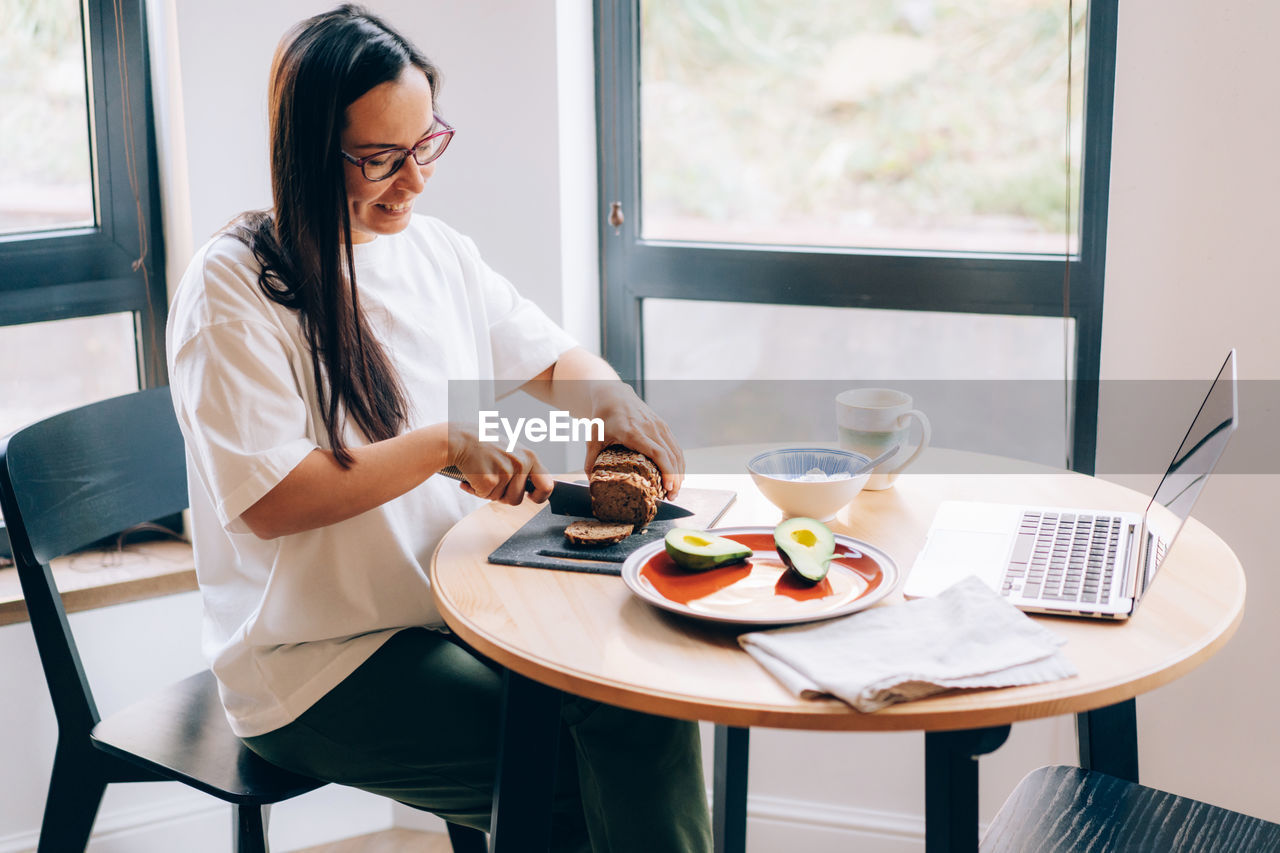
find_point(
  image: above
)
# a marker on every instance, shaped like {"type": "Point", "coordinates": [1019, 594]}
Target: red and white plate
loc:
{"type": "Point", "coordinates": [761, 590]}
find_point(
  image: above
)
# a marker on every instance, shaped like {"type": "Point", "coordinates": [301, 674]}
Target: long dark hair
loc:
{"type": "Point", "coordinates": [304, 245]}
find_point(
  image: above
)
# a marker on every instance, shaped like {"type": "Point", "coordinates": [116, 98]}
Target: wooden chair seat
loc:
{"type": "Point", "coordinates": [1064, 809]}
{"type": "Point", "coordinates": [181, 733]}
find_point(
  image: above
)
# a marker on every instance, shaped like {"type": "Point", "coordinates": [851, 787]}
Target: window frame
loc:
{"type": "Point", "coordinates": [88, 271]}
{"type": "Point", "coordinates": [633, 269]}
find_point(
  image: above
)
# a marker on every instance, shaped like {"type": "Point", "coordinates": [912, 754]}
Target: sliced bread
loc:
{"type": "Point", "coordinates": [597, 534]}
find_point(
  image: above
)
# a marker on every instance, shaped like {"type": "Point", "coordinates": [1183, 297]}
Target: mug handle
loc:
{"type": "Point", "coordinates": [925, 434]}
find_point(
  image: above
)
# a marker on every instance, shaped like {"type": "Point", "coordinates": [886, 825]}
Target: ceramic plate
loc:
{"type": "Point", "coordinates": [761, 591]}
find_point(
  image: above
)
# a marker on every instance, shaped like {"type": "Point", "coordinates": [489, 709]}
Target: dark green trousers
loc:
{"type": "Point", "coordinates": [418, 722]}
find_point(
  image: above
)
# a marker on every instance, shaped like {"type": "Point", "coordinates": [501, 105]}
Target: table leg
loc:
{"type": "Point", "coordinates": [951, 786]}
{"type": "Point", "coordinates": [1108, 740]}
{"type": "Point", "coordinates": [524, 788]}
{"type": "Point", "coordinates": [729, 790]}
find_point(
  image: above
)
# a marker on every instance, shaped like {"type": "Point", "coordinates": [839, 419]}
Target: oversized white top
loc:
{"type": "Point", "coordinates": [286, 620]}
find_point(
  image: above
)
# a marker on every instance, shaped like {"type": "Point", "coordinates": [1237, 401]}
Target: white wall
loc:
{"type": "Point", "coordinates": [1192, 225]}
{"type": "Point", "coordinates": [1194, 171]}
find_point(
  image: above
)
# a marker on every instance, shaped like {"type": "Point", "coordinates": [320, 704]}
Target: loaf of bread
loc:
{"type": "Point", "coordinates": [615, 457]}
{"type": "Point", "coordinates": [625, 486]}
{"type": "Point", "coordinates": [596, 534]}
{"type": "Point", "coordinates": [622, 496]}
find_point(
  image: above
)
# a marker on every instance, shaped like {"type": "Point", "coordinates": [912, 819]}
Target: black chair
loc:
{"type": "Point", "coordinates": [68, 482]}
{"type": "Point", "coordinates": [1063, 809]}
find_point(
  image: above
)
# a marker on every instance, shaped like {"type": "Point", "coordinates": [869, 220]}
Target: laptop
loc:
{"type": "Point", "coordinates": [1094, 563]}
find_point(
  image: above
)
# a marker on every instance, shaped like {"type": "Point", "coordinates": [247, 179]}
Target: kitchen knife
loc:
{"type": "Point", "coordinates": [575, 498]}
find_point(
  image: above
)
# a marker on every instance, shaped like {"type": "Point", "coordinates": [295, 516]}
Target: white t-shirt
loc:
{"type": "Point", "coordinates": [286, 620]}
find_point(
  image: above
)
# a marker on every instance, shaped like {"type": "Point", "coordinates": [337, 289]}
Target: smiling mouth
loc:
{"type": "Point", "coordinates": [396, 208]}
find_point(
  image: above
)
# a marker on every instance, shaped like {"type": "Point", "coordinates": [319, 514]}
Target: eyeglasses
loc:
{"type": "Point", "coordinates": [384, 164]}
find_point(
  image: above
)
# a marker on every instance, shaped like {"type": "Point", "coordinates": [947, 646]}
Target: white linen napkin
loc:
{"type": "Point", "coordinates": [967, 636]}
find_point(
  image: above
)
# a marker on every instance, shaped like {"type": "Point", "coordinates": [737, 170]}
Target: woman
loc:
{"type": "Point", "coordinates": [310, 350]}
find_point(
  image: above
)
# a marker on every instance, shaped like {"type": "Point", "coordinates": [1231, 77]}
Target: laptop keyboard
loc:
{"type": "Point", "coordinates": [1063, 558]}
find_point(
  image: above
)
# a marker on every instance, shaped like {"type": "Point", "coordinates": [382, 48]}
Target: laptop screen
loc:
{"type": "Point", "coordinates": [1187, 473]}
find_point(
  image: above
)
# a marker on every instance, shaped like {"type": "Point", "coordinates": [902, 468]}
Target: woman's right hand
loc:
{"type": "Point", "coordinates": [492, 472]}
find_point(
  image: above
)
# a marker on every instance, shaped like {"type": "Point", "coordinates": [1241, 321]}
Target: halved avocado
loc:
{"type": "Point", "coordinates": [699, 550]}
{"type": "Point", "coordinates": [806, 546]}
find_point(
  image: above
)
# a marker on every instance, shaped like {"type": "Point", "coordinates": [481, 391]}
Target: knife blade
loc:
{"type": "Point", "coordinates": [575, 498]}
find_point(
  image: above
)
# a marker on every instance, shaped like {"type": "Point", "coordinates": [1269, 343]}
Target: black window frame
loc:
{"type": "Point", "coordinates": [633, 269]}
{"type": "Point", "coordinates": [89, 271]}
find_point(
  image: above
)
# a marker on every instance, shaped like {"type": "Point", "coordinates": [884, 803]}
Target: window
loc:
{"type": "Point", "coordinates": [82, 300]}
{"type": "Point", "coordinates": [889, 158]}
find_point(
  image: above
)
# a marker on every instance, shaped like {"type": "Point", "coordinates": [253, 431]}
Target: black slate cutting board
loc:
{"type": "Point", "coordinates": [540, 543]}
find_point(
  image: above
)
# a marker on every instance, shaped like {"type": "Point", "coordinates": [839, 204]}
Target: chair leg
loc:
{"type": "Point", "coordinates": [464, 839]}
{"type": "Point", "coordinates": [249, 828]}
{"type": "Point", "coordinates": [75, 792]}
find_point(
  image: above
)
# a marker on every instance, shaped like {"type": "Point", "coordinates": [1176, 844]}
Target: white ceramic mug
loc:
{"type": "Point", "coordinates": [872, 420]}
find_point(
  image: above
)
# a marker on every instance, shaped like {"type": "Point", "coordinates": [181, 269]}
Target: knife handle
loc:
{"type": "Point", "coordinates": [452, 472]}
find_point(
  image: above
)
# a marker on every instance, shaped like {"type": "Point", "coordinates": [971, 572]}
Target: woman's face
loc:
{"type": "Point", "coordinates": [395, 114]}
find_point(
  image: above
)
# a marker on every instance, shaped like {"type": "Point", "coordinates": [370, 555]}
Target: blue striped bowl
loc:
{"type": "Point", "coordinates": [775, 473]}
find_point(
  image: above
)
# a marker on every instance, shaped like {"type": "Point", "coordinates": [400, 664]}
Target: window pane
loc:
{"type": "Point", "coordinates": [45, 170]}
{"type": "Point", "coordinates": [991, 383]}
{"type": "Point", "coordinates": [46, 368]}
{"type": "Point", "coordinates": [895, 124]}
{"type": "Point", "coordinates": [752, 341]}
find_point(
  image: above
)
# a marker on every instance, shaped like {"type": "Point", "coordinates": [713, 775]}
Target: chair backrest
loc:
{"type": "Point", "coordinates": [69, 481]}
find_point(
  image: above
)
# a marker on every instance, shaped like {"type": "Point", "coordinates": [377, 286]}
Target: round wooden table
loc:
{"type": "Point", "coordinates": [588, 635]}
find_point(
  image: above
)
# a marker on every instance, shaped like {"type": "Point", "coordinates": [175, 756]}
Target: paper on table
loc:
{"type": "Point", "coordinates": [968, 636]}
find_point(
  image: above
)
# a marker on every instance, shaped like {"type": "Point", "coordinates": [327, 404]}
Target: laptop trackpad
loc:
{"type": "Point", "coordinates": [951, 555]}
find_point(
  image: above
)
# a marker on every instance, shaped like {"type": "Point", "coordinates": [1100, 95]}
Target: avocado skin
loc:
{"type": "Point", "coordinates": [719, 551]}
{"type": "Point", "coordinates": [809, 560]}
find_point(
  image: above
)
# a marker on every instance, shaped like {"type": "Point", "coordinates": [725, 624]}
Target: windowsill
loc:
{"type": "Point", "coordinates": [93, 579]}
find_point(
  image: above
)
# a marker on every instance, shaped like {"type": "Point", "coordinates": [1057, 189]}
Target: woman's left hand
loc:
{"type": "Point", "coordinates": [630, 422]}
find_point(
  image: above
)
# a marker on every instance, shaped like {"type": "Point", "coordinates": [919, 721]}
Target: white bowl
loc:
{"type": "Point", "coordinates": [776, 474]}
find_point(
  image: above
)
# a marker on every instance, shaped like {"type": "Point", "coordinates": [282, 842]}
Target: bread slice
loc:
{"type": "Point", "coordinates": [597, 534]}
{"type": "Point", "coordinates": [616, 457]}
{"type": "Point", "coordinates": [622, 496]}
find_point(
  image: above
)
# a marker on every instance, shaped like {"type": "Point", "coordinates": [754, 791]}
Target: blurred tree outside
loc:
{"type": "Point", "coordinates": [912, 124]}
{"type": "Point", "coordinates": [45, 161]}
